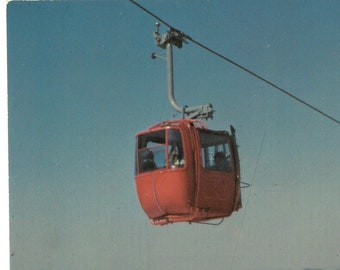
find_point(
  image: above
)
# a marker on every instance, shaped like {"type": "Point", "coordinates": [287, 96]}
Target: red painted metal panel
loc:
{"type": "Point", "coordinates": [216, 192]}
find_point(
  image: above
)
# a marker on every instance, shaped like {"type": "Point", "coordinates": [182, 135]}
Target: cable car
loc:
{"type": "Point", "coordinates": [187, 172]}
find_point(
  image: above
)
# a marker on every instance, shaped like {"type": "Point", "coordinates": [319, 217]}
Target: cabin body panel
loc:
{"type": "Point", "coordinates": [216, 193]}
{"type": "Point", "coordinates": [174, 191]}
{"type": "Point", "coordinates": [146, 195]}
{"type": "Point", "coordinates": [165, 193]}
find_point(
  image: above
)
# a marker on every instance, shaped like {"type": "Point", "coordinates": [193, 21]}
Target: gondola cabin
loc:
{"type": "Point", "coordinates": [186, 172]}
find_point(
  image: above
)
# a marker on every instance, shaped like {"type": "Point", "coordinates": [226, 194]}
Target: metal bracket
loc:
{"type": "Point", "coordinates": [166, 41]}
{"type": "Point", "coordinates": [172, 37]}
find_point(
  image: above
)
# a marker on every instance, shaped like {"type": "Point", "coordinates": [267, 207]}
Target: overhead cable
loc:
{"type": "Point", "coordinates": [236, 64]}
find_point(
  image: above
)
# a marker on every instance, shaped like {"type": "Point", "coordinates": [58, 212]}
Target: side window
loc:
{"type": "Point", "coordinates": [215, 151]}
{"type": "Point", "coordinates": [175, 149]}
{"type": "Point", "coordinates": [151, 151]}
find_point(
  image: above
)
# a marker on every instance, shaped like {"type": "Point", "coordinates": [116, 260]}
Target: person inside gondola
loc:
{"type": "Point", "coordinates": [176, 156]}
{"type": "Point", "coordinates": [221, 162]}
{"type": "Point", "coordinates": [175, 151]}
{"type": "Point", "coordinates": [148, 163]}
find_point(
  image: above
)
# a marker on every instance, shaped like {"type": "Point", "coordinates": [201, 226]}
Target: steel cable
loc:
{"type": "Point", "coordinates": [237, 65]}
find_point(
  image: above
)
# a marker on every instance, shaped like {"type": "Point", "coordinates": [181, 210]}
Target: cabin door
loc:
{"type": "Point", "coordinates": [236, 167]}
{"type": "Point", "coordinates": [216, 173]}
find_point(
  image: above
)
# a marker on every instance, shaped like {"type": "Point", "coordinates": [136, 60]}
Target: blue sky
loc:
{"type": "Point", "coordinates": [81, 84]}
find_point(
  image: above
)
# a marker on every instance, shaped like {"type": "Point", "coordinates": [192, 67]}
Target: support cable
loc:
{"type": "Point", "coordinates": [237, 65]}
{"type": "Point", "coordinates": [247, 201]}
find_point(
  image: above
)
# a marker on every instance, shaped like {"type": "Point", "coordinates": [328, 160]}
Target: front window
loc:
{"type": "Point", "coordinates": [160, 149]}
{"type": "Point", "coordinates": [215, 151]}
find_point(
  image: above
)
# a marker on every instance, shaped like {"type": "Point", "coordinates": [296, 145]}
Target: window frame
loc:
{"type": "Point", "coordinates": [209, 150]}
{"type": "Point", "coordinates": [142, 145]}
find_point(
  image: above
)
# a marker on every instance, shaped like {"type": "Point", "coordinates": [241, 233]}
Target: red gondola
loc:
{"type": "Point", "coordinates": [185, 171]}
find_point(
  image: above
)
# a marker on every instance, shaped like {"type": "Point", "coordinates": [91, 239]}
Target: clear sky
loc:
{"type": "Point", "coordinates": [81, 84]}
